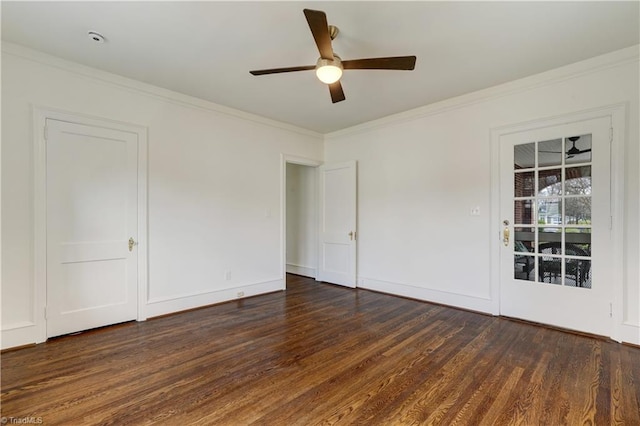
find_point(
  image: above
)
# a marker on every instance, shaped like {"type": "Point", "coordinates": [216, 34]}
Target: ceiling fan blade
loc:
{"type": "Point", "coordinates": [337, 95]}
{"type": "Point", "coordinates": [317, 21]}
{"type": "Point", "coordinates": [392, 63]}
{"type": "Point", "coordinates": [279, 70]}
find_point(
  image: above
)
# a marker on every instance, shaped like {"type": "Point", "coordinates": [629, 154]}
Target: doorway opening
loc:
{"type": "Point", "coordinates": [300, 209]}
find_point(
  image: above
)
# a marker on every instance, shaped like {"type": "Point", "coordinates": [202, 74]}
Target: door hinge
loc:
{"type": "Point", "coordinates": [46, 133]}
{"type": "Point", "coordinates": [610, 222]}
{"type": "Point", "coordinates": [45, 312]}
{"type": "Point", "coordinates": [610, 310]}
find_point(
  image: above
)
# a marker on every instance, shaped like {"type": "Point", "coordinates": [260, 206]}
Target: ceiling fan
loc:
{"type": "Point", "coordinates": [573, 151]}
{"type": "Point", "coordinates": [330, 66]}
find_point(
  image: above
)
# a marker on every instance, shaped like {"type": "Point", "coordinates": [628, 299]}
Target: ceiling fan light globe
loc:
{"type": "Point", "coordinates": [329, 74]}
{"type": "Point", "coordinates": [329, 71]}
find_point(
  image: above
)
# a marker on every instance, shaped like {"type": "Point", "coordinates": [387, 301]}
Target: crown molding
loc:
{"type": "Point", "coordinates": [145, 88]}
{"type": "Point", "coordinates": [609, 60]}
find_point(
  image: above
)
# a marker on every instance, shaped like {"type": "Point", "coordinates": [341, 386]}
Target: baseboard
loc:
{"type": "Point", "coordinates": [630, 334]}
{"type": "Point", "coordinates": [27, 333]}
{"type": "Point", "coordinates": [156, 308]}
{"type": "Point", "coordinates": [15, 335]}
{"type": "Point", "coordinates": [19, 335]}
{"type": "Point", "coordinates": [301, 270]}
{"type": "Point", "coordinates": [429, 295]}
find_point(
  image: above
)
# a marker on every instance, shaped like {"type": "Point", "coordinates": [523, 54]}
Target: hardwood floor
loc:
{"type": "Point", "coordinates": [319, 353]}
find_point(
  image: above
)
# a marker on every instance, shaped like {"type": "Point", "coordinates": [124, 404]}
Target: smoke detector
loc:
{"type": "Point", "coordinates": [96, 37]}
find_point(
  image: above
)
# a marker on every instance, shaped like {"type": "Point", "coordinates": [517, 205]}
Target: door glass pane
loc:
{"type": "Point", "coordinates": [523, 212]}
{"type": "Point", "coordinates": [550, 270]}
{"type": "Point", "coordinates": [578, 149]}
{"type": "Point", "coordinates": [578, 180]}
{"type": "Point", "coordinates": [578, 211]}
{"type": "Point", "coordinates": [549, 243]}
{"type": "Point", "coordinates": [550, 153]}
{"type": "Point", "coordinates": [524, 240]}
{"type": "Point", "coordinates": [524, 156]}
{"type": "Point", "coordinates": [523, 267]}
{"type": "Point", "coordinates": [524, 184]}
{"type": "Point", "coordinates": [578, 241]}
{"type": "Point", "coordinates": [550, 182]}
{"type": "Point", "coordinates": [578, 273]}
{"type": "Point", "coordinates": [550, 211]}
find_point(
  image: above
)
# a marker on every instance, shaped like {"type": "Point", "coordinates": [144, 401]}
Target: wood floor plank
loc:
{"type": "Point", "coordinates": [630, 389]}
{"type": "Point", "coordinates": [616, 414]}
{"type": "Point", "coordinates": [500, 408]}
{"type": "Point", "coordinates": [323, 354]}
{"type": "Point", "coordinates": [425, 405]}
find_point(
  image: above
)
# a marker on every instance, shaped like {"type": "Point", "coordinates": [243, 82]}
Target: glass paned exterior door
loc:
{"type": "Point", "coordinates": [556, 251]}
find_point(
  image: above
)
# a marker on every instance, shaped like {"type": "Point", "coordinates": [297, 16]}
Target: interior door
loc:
{"type": "Point", "coordinates": [337, 251]}
{"type": "Point", "coordinates": [556, 226]}
{"type": "Point", "coordinates": [91, 202]}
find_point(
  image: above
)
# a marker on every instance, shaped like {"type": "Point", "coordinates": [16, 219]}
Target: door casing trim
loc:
{"type": "Point", "coordinates": [40, 115]}
{"type": "Point", "coordinates": [617, 114]}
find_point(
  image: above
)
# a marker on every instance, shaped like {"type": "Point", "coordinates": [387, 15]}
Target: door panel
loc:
{"type": "Point", "coordinates": [91, 214]}
{"type": "Point", "coordinates": [337, 254]}
{"type": "Point", "coordinates": [555, 211]}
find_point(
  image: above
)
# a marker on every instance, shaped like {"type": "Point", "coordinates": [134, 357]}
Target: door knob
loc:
{"type": "Point", "coordinates": [352, 235]}
{"type": "Point", "coordinates": [132, 243]}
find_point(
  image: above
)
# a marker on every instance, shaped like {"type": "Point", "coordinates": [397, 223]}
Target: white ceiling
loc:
{"type": "Point", "coordinates": [206, 49]}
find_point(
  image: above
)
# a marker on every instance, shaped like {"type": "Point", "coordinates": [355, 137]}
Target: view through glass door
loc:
{"type": "Point", "coordinates": [555, 210]}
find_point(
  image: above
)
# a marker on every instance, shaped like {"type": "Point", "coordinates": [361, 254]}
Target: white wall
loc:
{"type": "Point", "coordinates": [214, 186]}
{"type": "Point", "coordinates": [301, 216]}
{"type": "Point", "coordinates": [420, 173]}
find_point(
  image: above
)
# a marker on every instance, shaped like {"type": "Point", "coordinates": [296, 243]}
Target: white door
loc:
{"type": "Point", "coordinates": [337, 251]}
{"type": "Point", "coordinates": [556, 219]}
{"type": "Point", "coordinates": [91, 204]}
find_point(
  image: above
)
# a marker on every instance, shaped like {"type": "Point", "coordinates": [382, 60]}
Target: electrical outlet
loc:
{"type": "Point", "coordinates": [475, 211]}
{"type": "Point", "coordinates": [240, 293]}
